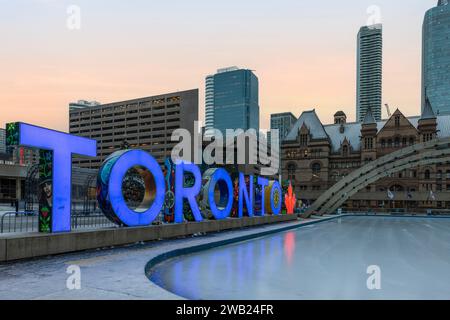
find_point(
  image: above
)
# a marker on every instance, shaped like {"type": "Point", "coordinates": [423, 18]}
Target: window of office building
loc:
{"type": "Point", "coordinates": [8, 189]}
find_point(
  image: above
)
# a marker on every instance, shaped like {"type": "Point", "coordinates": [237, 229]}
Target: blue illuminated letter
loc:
{"type": "Point", "coordinates": [189, 193]}
{"type": "Point", "coordinates": [275, 198]}
{"type": "Point", "coordinates": [222, 178]}
{"type": "Point", "coordinates": [244, 193]}
{"type": "Point", "coordinates": [63, 146]}
{"type": "Point", "coordinates": [263, 183]}
{"type": "Point", "coordinates": [127, 160]}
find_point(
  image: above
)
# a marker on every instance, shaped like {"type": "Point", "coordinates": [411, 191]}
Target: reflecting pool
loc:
{"type": "Point", "coordinates": [328, 260]}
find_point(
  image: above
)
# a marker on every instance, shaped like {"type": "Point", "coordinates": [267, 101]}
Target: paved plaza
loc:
{"type": "Point", "coordinates": [110, 273]}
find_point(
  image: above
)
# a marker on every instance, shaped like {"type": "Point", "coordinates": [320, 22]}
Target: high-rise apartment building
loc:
{"type": "Point", "coordinates": [232, 100]}
{"type": "Point", "coordinates": [436, 58]}
{"type": "Point", "coordinates": [369, 71]}
{"type": "Point", "coordinates": [145, 123]}
{"type": "Point", "coordinates": [209, 103]}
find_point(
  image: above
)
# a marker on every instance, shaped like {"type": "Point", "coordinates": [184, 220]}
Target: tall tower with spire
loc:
{"type": "Point", "coordinates": [436, 58]}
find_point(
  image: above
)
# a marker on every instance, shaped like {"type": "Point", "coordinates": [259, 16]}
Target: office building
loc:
{"type": "Point", "coordinates": [436, 58]}
{"type": "Point", "coordinates": [236, 99]}
{"type": "Point", "coordinates": [144, 123]}
{"type": "Point", "coordinates": [283, 122]}
{"type": "Point", "coordinates": [24, 156]}
{"type": "Point", "coordinates": [82, 104]}
{"type": "Point", "coordinates": [2, 141]}
{"type": "Point", "coordinates": [12, 182]}
{"type": "Point", "coordinates": [369, 71]}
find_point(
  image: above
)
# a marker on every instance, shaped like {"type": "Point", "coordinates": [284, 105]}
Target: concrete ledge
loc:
{"type": "Point", "coordinates": [33, 245]}
{"type": "Point", "coordinates": [2, 249]}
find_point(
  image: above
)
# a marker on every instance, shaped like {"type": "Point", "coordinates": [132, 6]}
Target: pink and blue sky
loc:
{"type": "Point", "coordinates": [304, 52]}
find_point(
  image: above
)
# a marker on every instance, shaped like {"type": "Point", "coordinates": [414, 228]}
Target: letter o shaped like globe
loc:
{"type": "Point", "coordinates": [275, 198]}
{"type": "Point", "coordinates": [109, 188]}
{"type": "Point", "coordinates": [221, 177]}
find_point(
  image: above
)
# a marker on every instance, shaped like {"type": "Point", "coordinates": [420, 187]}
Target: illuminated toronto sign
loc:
{"type": "Point", "coordinates": [215, 187]}
{"type": "Point", "coordinates": [55, 170]}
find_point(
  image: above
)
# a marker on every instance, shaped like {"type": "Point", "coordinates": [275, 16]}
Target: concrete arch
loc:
{"type": "Point", "coordinates": [422, 154]}
{"type": "Point", "coordinates": [334, 206]}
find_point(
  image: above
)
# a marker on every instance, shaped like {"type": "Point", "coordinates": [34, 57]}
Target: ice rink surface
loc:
{"type": "Point", "coordinates": [329, 260]}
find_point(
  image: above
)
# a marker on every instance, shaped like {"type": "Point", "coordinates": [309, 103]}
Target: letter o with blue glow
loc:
{"type": "Point", "coordinates": [109, 184]}
{"type": "Point", "coordinates": [221, 178]}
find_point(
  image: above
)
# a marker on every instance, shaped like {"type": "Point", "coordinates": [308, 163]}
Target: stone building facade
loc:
{"type": "Point", "coordinates": [316, 156]}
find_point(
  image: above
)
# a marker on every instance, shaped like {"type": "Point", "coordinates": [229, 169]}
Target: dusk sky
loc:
{"type": "Point", "coordinates": [303, 52]}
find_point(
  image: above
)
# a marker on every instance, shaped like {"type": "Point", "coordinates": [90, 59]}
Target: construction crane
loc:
{"type": "Point", "coordinates": [388, 110]}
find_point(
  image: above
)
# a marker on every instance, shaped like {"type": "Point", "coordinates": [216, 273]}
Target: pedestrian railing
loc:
{"type": "Point", "coordinates": [12, 222]}
{"type": "Point", "coordinates": [21, 222]}
{"type": "Point", "coordinates": [94, 220]}
{"type": "Point", "coordinates": [396, 212]}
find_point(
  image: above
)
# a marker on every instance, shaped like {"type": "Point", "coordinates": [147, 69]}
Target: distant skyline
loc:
{"type": "Point", "coordinates": [303, 52]}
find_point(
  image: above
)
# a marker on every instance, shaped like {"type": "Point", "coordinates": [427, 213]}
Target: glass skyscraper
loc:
{"type": "Point", "coordinates": [283, 122]}
{"type": "Point", "coordinates": [232, 100]}
{"type": "Point", "coordinates": [436, 58]}
{"type": "Point", "coordinates": [369, 66]}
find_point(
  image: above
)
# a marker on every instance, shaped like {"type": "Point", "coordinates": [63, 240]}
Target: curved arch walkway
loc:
{"type": "Point", "coordinates": [427, 153]}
